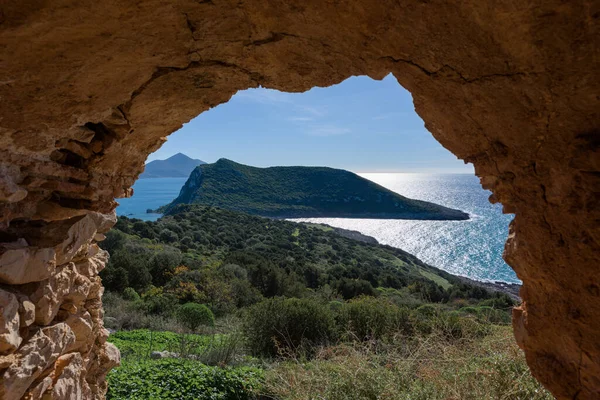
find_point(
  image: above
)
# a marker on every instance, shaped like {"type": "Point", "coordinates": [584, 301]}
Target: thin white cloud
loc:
{"type": "Point", "coordinates": [301, 119]}
{"type": "Point", "coordinates": [328, 130]}
{"type": "Point", "coordinates": [313, 111]}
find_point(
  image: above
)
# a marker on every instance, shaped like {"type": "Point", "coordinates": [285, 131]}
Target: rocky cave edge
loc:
{"type": "Point", "coordinates": [90, 88]}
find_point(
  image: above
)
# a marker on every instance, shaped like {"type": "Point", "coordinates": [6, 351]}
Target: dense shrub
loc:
{"type": "Point", "coordinates": [194, 315]}
{"type": "Point", "coordinates": [428, 319]}
{"type": "Point", "coordinates": [283, 326]}
{"type": "Point", "coordinates": [115, 238]}
{"type": "Point", "coordinates": [158, 302]}
{"type": "Point", "coordinates": [128, 267]}
{"type": "Point", "coordinates": [369, 318]}
{"type": "Point", "coordinates": [168, 236]}
{"type": "Point", "coordinates": [143, 229]}
{"type": "Point", "coordinates": [429, 291]}
{"type": "Point", "coordinates": [351, 288]}
{"type": "Point", "coordinates": [130, 294]}
{"type": "Point", "coordinates": [162, 265]}
{"type": "Point", "coordinates": [124, 314]}
{"type": "Point", "coordinates": [487, 314]}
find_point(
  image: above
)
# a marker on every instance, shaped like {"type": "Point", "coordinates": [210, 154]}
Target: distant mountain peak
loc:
{"type": "Point", "coordinates": [176, 166]}
{"type": "Point", "coordinates": [180, 155]}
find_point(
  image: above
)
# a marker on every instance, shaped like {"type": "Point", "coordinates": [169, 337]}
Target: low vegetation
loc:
{"type": "Point", "coordinates": [182, 379]}
{"type": "Point", "coordinates": [215, 304]}
{"type": "Point", "coordinates": [428, 367]}
{"type": "Point", "coordinates": [425, 353]}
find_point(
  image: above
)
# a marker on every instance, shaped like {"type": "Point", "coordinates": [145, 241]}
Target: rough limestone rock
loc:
{"type": "Point", "coordinates": [9, 323]}
{"type": "Point", "coordinates": [69, 379]}
{"type": "Point", "coordinates": [89, 89]}
{"type": "Point", "coordinates": [26, 264]}
{"type": "Point", "coordinates": [36, 356]}
{"type": "Point", "coordinates": [65, 288]}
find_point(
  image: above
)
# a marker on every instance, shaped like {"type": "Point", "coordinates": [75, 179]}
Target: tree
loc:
{"type": "Point", "coordinates": [351, 288]}
{"type": "Point", "coordinates": [194, 315]}
{"type": "Point", "coordinates": [128, 267]}
{"type": "Point", "coordinates": [115, 240]}
{"type": "Point", "coordinates": [168, 236]}
{"type": "Point", "coordinates": [130, 294]}
{"type": "Point", "coordinates": [115, 279]}
{"type": "Point", "coordinates": [144, 230]}
{"type": "Point", "coordinates": [163, 263]}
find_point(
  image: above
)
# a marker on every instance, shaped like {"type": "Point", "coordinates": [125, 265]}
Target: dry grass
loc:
{"type": "Point", "coordinates": [424, 368]}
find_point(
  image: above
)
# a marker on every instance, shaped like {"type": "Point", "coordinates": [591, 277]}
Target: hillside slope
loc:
{"type": "Point", "coordinates": [177, 166]}
{"type": "Point", "coordinates": [276, 257]}
{"type": "Point", "coordinates": [287, 192]}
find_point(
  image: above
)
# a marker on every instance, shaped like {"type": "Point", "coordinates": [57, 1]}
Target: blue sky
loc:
{"type": "Point", "coordinates": [361, 125]}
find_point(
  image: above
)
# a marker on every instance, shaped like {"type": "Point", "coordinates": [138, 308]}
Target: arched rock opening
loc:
{"type": "Point", "coordinates": [90, 88]}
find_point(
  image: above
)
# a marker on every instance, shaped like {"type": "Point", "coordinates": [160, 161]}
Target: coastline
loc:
{"type": "Point", "coordinates": [453, 215]}
{"type": "Point", "coordinates": [511, 289]}
{"type": "Point", "coordinates": [424, 216]}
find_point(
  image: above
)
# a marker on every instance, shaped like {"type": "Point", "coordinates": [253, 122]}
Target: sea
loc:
{"type": "Point", "coordinates": [471, 248]}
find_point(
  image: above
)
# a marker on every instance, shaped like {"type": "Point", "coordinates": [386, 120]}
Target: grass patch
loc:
{"type": "Point", "coordinates": [436, 278]}
{"type": "Point", "coordinates": [324, 228]}
{"type": "Point", "coordinates": [142, 342]}
{"type": "Point", "coordinates": [421, 368]}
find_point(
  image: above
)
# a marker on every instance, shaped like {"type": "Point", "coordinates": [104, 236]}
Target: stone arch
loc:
{"type": "Point", "coordinates": [90, 88]}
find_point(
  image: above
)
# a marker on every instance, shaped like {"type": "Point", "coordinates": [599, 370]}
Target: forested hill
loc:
{"type": "Point", "coordinates": [288, 192]}
{"type": "Point", "coordinates": [229, 260]}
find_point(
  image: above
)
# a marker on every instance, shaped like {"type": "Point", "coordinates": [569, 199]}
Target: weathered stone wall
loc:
{"type": "Point", "coordinates": [52, 338]}
{"type": "Point", "coordinates": [89, 88]}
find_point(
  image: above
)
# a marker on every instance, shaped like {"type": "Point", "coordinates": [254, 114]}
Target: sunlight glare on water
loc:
{"type": "Point", "coordinates": [470, 248]}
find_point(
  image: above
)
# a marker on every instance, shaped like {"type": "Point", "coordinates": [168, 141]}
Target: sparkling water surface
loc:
{"type": "Point", "coordinates": [470, 248]}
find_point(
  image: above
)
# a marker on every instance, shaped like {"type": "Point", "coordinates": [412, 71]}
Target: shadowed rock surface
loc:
{"type": "Point", "coordinates": [89, 89]}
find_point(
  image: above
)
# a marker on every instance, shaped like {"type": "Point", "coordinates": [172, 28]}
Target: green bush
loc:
{"type": "Point", "coordinates": [194, 315]}
{"type": "Point", "coordinates": [370, 318]}
{"type": "Point", "coordinates": [130, 294]}
{"type": "Point", "coordinates": [487, 314]}
{"type": "Point", "coordinates": [182, 380]}
{"type": "Point", "coordinates": [157, 302]}
{"type": "Point", "coordinates": [429, 319]}
{"type": "Point", "coordinates": [351, 288]}
{"type": "Point", "coordinates": [121, 314]}
{"type": "Point", "coordinates": [163, 263]}
{"type": "Point", "coordinates": [288, 326]}
{"type": "Point", "coordinates": [168, 236]}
